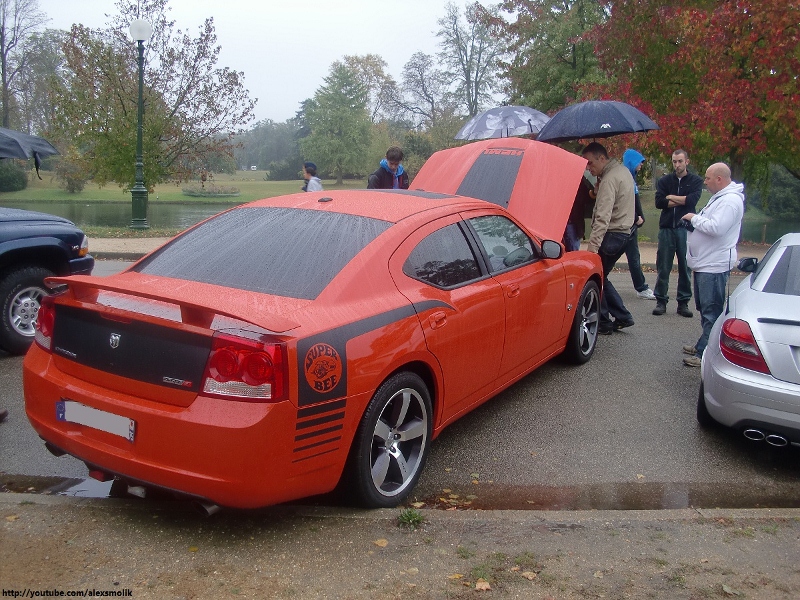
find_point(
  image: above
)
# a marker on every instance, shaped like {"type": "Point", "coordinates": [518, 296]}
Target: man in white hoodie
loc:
{"type": "Point", "coordinates": [711, 250]}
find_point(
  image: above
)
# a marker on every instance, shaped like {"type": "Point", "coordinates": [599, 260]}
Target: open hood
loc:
{"type": "Point", "coordinates": [535, 182]}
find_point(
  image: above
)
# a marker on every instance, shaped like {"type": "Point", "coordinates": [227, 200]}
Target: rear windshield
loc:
{"type": "Point", "coordinates": [785, 277]}
{"type": "Point", "coordinates": [282, 251]}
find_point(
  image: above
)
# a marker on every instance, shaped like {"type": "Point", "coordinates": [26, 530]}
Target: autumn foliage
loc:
{"type": "Point", "coordinates": [720, 78]}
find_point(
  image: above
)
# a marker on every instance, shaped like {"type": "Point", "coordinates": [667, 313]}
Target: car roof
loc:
{"type": "Point", "coordinates": [387, 205]}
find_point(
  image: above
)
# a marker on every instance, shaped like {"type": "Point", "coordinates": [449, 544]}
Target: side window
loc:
{"type": "Point", "coordinates": [505, 244]}
{"type": "Point", "coordinates": [443, 259]}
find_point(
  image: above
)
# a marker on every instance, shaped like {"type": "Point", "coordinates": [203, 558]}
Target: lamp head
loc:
{"type": "Point", "coordinates": [141, 30]}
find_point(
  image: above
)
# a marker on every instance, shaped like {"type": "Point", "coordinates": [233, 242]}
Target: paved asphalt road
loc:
{"type": "Point", "coordinates": [618, 432]}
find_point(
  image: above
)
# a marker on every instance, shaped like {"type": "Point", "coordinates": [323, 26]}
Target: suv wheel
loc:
{"type": "Point", "coordinates": [21, 292]}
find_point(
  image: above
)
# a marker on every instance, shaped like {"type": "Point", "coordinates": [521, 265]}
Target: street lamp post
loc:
{"type": "Point", "coordinates": [141, 31]}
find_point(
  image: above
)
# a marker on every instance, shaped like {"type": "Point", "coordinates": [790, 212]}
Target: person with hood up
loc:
{"type": "Point", "coordinates": [390, 175]}
{"type": "Point", "coordinates": [711, 250]}
{"type": "Point", "coordinates": [633, 160]}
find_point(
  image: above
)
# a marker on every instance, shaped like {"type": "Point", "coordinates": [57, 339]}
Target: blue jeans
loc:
{"type": "Point", "coordinates": [635, 262]}
{"type": "Point", "coordinates": [571, 240]}
{"type": "Point", "coordinates": [709, 298]}
{"type": "Point", "coordinates": [611, 305]}
{"type": "Point", "coordinates": [672, 243]}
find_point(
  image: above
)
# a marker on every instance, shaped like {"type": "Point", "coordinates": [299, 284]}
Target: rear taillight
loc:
{"type": "Point", "coordinates": [739, 346]}
{"type": "Point", "coordinates": [45, 321]}
{"type": "Point", "coordinates": [244, 369]}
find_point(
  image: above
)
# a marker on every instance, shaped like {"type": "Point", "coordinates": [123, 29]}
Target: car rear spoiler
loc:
{"type": "Point", "coordinates": [249, 307]}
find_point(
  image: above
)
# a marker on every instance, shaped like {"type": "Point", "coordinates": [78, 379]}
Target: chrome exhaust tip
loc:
{"type": "Point", "coordinates": [777, 440]}
{"type": "Point", "coordinates": [755, 435]}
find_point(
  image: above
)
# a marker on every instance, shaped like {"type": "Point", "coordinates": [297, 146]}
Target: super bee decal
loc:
{"type": "Point", "coordinates": [322, 360]}
{"type": "Point", "coordinates": [323, 367]}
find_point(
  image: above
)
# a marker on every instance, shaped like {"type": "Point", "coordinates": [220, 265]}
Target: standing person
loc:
{"type": "Point", "coordinates": [677, 194]}
{"type": "Point", "coordinates": [390, 175]}
{"type": "Point", "coordinates": [711, 250]}
{"type": "Point", "coordinates": [612, 220]}
{"type": "Point", "coordinates": [313, 183]}
{"type": "Point", "coordinates": [576, 224]}
{"type": "Point", "coordinates": [633, 160]}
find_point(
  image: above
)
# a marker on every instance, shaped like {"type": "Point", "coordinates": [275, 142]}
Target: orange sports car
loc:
{"type": "Point", "coordinates": [292, 345]}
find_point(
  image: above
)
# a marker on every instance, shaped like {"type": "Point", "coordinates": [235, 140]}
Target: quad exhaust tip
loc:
{"type": "Point", "coordinates": [773, 439]}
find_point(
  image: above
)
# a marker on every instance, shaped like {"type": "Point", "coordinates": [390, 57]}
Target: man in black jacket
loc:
{"type": "Point", "coordinates": [676, 195]}
{"type": "Point", "coordinates": [390, 175]}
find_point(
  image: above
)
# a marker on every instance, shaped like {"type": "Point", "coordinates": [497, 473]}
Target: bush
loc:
{"type": "Point", "coordinates": [12, 177]}
{"type": "Point", "coordinates": [71, 172]}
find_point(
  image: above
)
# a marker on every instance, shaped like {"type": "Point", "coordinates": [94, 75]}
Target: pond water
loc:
{"type": "Point", "coordinates": [118, 214]}
{"type": "Point", "coordinates": [181, 216]}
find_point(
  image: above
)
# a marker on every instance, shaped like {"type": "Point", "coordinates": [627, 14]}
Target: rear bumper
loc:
{"type": "Point", "coordinates": [740, 398]}
{"type": "Point", "coordinates": [235, 454]}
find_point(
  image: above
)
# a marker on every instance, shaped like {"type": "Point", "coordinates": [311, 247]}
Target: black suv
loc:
{"type": "Point", "coordinates": [33, 246]}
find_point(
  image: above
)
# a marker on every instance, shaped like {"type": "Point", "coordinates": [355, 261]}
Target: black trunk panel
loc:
{"type": "Point", "coordinates": [143, 352]}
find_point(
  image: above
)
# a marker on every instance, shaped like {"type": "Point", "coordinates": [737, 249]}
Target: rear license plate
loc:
{"type": "Point", "coordinates": [75, 412]}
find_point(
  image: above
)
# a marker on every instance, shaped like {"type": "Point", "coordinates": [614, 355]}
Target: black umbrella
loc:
{"type": "Point", "coordinates": [503, 121]}
{"type": "Point", "coordinates": [595, 119]}
{"type": "Point", "coordinates": [15, 144]}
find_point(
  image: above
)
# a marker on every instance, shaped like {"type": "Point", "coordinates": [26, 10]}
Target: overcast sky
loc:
{"type": "Point", "coordinates": [284, 47]}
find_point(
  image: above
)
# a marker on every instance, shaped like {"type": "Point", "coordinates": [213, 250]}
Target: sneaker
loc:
{"type": "Point", "coordinates": [692, 361]}
{"type": "Point", "coordinates": [646, 294]}
{"type": "Point", "coordinates": [683, 310]}
{"type": "Point", "coordinates": [620, 324]}
{"type": "Point", "coordinates": [660, 309]}
{"type": "Point", "coordinates": [690, 350]}
{"type": "Point", "coordinates": [3, 415]}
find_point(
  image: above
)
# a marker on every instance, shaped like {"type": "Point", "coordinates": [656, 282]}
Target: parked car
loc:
{"type": "Point", "coordinates": [750, 372]}
{"type": "Point", "coordinates": [294, 344]}
{"type": "Point", "coordinates": [33, 246]}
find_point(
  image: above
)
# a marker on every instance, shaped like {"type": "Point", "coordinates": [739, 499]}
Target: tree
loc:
{"type": "Point", "coordinates": [44, 71]}
{"type": "Point", "coordinates": [549, 55]}
{"type": "Point", "coordinates": [425, 91]}
{"type": "Point", "coordinates": [721, 77]}
{"type": "Point", "coordinates": [470, 52]}
{"type": "Point", "coordinates": [339, 122]}
{"type": "Point", "coordinates": [192, 107]}
{"type": "Point", "coordinates": [369, 70]}
{"type": "Point", "coordinates": [18, 20]}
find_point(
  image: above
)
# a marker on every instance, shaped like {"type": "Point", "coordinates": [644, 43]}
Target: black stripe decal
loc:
{"type": "Point", "coordinates": [323, 453]}
{"type": "Point", "coordinates": [315, 410]}
{"type": "Point", "coordinates": [323, 442]}
{"type": "Point", "coordinates": [306, 436]}
{"type": "Point", "coordinates": [322, 360]}
{"type": "Point", "coordinates": [320, 421]}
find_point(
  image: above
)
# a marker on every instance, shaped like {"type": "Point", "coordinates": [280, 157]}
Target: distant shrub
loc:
{"type": "Point", "coordinates": [12, 177]}
{"type": "Point", "coordinates": [210, 190]}
{"type": "Point", "coordinates": [70, 172]}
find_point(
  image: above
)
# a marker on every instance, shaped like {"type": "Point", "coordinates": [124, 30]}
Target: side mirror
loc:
{"type": "Point", "coordinates": [747, 265]}
{"type": "Point", "coordinates": [551, 249]}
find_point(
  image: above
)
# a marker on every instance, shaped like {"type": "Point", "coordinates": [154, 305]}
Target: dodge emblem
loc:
{"type": "Point", "coordinates": [114, 340]}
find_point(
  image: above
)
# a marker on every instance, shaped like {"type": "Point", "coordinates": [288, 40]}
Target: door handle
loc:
{"type": "Point", "coordinates": [437, 319]}
{"type": "Point", "coordinates": [512, 290]}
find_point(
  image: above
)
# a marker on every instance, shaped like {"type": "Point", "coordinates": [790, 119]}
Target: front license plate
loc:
{"type": "Point", "coordinates": [75, 412]}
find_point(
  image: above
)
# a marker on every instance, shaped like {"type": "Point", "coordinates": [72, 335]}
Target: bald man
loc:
{"type": "Point", "coordinates": [711, 250]}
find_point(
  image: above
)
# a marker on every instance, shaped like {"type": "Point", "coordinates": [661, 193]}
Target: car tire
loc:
{"type": "Point", "coordinates": [21, 292]}
{"type": "Point", "coordinates": [583, 334]}
{"type": "Point", "coordinates": [703, 416]}
{"type": "Point", "coordinates": [391, 444]}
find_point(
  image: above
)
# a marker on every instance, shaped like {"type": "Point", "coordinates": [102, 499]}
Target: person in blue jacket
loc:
{"type": "Point", "coordinates": [633, 160]}
{"type": "Point", "coordinates": [390, 175]}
